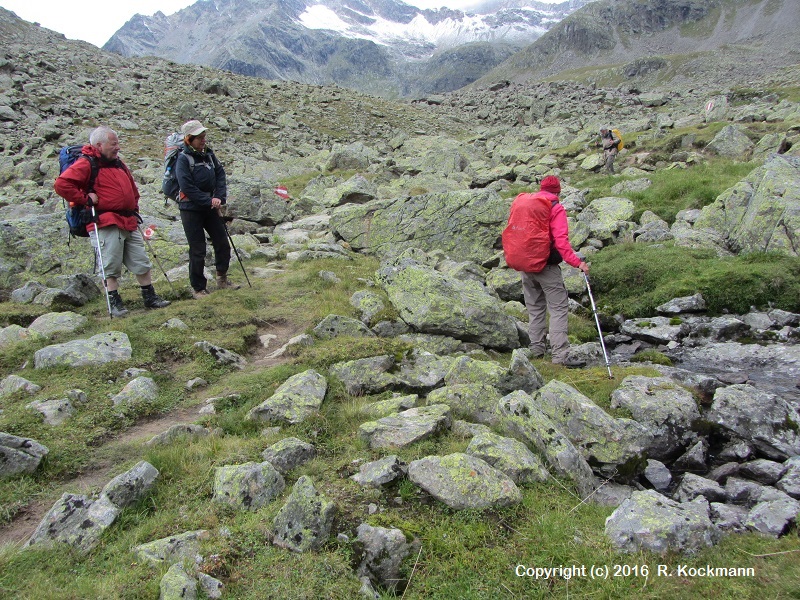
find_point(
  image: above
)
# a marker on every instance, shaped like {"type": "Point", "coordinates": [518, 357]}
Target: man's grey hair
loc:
{"type": "Point", "coordinates": [101, 135]}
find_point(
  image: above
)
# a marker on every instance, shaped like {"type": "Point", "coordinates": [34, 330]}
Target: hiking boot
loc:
{"type": "Point", "coordinates": [197, 294]}
{"type": "Point", "coordinates": [571, 362]}
{"type": "Point", "coordinates": [117, 307]}
{"type": "Point", "coordinates": [224, 284]}
{"type": "Point", "coordinates": [151, 299]}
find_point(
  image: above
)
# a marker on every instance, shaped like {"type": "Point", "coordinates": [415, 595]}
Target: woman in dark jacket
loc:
{"type": "Point", "coordinates": [204, 189]}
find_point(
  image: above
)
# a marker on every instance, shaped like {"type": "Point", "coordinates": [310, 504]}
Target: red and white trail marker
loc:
{"type": "Point", "coordinates": [280, 190]}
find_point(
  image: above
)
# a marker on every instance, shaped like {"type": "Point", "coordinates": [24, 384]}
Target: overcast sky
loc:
{"type": "Point", "coordinates": [95, 21]}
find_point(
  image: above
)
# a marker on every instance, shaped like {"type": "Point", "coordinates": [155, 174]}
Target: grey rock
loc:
{"type": "Point", "coordinates": [99, 349]}
{"type": "Point", "coordinates": [334, 326]}
{"type": "Point", "coordinates": [289, 453]}
{"type": "Point", "coordinates": [55, 412]}
{"type": "Point", "coordinates": [248, 486]}
{"type": "Point", "coordinates": [50, 324]}
{"type": "Point", "coordinates": [180, 548]}
{"type": "Point", "coordinates": [763, 419]}
{"type": "Point", "coordinates": [19, 455]}
{"type": "Point", "coordinates": [657, 330]}
{"type": "Point", "coordinates": [393, 405]}
{"type": "Point", "coordinates": [221, 355]}
{"type": "Point", "coordinates": [773, 517]}
{"type": "Point", "coordinates": [464, 482]}
{"type": "Point", "coordinates": [474, 401]}
{"type": "Point", "coordinates": [294, 401]}
{"type": "Point", "coordinates": [76, 521]}
{"type": "Point", "coordinates": [525, 421]}
{"type": "Point", "coordinates": [366, 375]}
{"type": "Point", "coordinates": [382, 553]}
{"type": "Point", "coordinates": [368, 304]}
{"type": "Point", "coordinates": [177, 584]}
{"type": "Point", "coordinates": [729, 518]}
{"type": "Point", "coordinates": [657, 474]}
{"type": "Point", "coordinates": [405, 428]}
{"type": "Point", "coordinates": [692, 486]}
{"type": "Point", "coordinates": [304, 522]}
{"type": "Point", "coordinates": [130, 487]}
{"type": "Point", "coordinates": [508, 455]}
{"type": "Point", "coordinates": [176, 433]}
{"type": "Point", "coordinates": [13, 383]}
{"type": "Point", "coordinates": [694, 459]}
{"type": "Point", "coordinates": [665, 409]}
{"type": "Point", "coordinates": [790, 481]}
{"type": "Point", "coordinates": [649, 521]}
{"type": "Point", "coordinates": [764, 471]}
{"type": "Point", "coordinates": [379, 472]}
{"type": "Point", "coordinates": [685, 304]}
{"type": "Point", "coordinates": [139, 392]}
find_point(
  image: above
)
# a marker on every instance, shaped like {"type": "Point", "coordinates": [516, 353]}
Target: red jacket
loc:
{"type": "Point", "coordinates": [117, 194]}
{"type": "Point", "coordinates": [559, 232]}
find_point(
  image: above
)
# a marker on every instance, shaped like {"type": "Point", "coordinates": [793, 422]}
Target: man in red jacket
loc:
{"type": "Point", "coordinates": [116, 201]}
{"type": "Point", "coordinates": [545, 291]}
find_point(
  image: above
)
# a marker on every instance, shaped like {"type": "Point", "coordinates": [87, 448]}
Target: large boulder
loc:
{"type": "Point", "coordinates": [19, 455]}
{"type": "Point", "coordinates": [463, 482]}
{"type": "Point", "coordinates": [607, 217]}
{"type": "Point", "coordinates": [649, 521]}
{"type": "Point", "coordinates": [431, 302]}
{"type": "Point", "coordinates": [99, 349]}
{"type": "Point", "coordinates": [731, 142]}
{"type": "Point", "coordinates": [761, 213]}
{"type": "Point", "coordinates": [465, 225]}
{"type": "Point", "coordinates": [294, 401]}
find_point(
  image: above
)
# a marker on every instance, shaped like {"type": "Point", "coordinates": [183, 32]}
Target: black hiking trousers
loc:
{"type": "Point", "coordinates": [196, 223]}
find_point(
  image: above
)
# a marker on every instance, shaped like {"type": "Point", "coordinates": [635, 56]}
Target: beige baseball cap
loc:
{"type": "Point", "coordinates": [193, 127]}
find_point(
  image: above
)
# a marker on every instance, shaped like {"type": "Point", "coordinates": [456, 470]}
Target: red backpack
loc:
{"type": "Point", "coordinates": [526, 238]}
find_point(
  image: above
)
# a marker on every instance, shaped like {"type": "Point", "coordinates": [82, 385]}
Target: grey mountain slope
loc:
{"type": "Point", "coordinates": [709, 40]}
{"type": "Point", "coordinates": [389, 48]}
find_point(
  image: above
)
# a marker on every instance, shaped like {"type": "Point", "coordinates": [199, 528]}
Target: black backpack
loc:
{"type": "Point", "coordinates": [169, 182]}
{"type": "Point", "coordinates": [78, 217]}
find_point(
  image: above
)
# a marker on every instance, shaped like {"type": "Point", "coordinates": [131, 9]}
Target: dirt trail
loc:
{"type": "Point", "coordinates": [94, 478]}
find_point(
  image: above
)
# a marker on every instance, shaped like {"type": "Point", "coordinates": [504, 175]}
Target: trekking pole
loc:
{"type": "Point", "coordinates": [100, 255]}
{"type": "Point", "coordinates": [225, 225]}
{"type": "Point", "coordinates": [597, 321]}
{"type": "Point", "coordinates": [155, 256]}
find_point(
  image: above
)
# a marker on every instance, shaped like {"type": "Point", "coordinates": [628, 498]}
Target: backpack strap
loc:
{"type": "Point", "coordinates": [94, 169]}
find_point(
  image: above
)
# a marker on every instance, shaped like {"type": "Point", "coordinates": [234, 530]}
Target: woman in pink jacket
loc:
{"type": "Point", "coordinates": [544, 291]}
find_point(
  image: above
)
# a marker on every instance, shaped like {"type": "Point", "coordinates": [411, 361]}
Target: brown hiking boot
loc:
{"type": "Point", "coordinates": [224, 284]}
{"type": "Point", "coordinates": [198, 294]}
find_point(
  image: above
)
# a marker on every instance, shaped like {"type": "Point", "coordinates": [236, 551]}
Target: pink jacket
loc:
{"type": "Point", "coordinates": [559, 232]}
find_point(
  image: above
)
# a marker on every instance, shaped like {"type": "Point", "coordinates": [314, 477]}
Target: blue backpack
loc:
{"type": "Point", "coordinates": [78, 216]}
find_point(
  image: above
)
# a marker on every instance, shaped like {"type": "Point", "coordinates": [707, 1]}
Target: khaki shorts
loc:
{"type": "Point", "coordinates": [119, 247]}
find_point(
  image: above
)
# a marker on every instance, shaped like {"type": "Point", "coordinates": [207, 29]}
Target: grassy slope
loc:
{"type": "Point", "coordinates": [550, 528]}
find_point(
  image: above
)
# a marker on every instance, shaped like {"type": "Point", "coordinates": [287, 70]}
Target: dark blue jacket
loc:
{"type": "Point", "coordinates": [201, 183]}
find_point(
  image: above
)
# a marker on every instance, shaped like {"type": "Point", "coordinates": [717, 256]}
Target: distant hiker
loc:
{"type": "Point", "coordinates": [610, 143]}
{"type": "Point", "coordinates": [116, 201]}
{"type": "Point", "coordinates": [203, 190]}
{"type": "Point", "coordinates": [535, 242]}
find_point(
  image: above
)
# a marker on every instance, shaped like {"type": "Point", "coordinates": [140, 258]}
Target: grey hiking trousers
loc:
{"type": "Point", "coordinates": [545, 292]}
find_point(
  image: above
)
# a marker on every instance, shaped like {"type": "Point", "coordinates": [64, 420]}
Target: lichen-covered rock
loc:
{"type": "Point", "coordinates": [508, 455]}
{"type": "Point", "coordinates": [606, 217]}
{"type": "Point", "coordinates": [76, 521]}
{"type": "Point", "coordinates": [368, 304]}
{"type": "Point", "coordinates": [684, 304]}
{"type": "Point", "coordinates": [304, 522]}
{"type": "Point", "coordinates": [657, 330]}
{"type": "Point", "coordinates": [405, 428]}
{"type": "Point", "coordinates": [49, 324]}
{"type": "Point", "coordinates": [289, 453]}
{"type": "Point", "coordinates": [649, 521]}
{"type": "Point", "coordinates": [183, 547]}
{"type": "Point", "coordinates": [131, 486]}
{"type": "Point", "coordinates": [525, 421]}
{"type": "Point", "coordinates": [664, 408]}
{"type": "Point", "coordinates": [424, 371]}
{"type": "Point", "coordinates": [601, 438]}
{"type": "Point", "coordinates": [55, 412]}
{"type": "Point", "coordinates": [13, 383]}
{"type": "Point", "coordinates": [464, 482]}
{"type": "Point", "coordinates": [222, 355]}
{"type": "Point", "coordinates": [112, 346]}
{"type": "Point", "coordinates": [19, 455]}
{"type": "Point", "coordinates": [248, 486]}
{"type": "Point", "coordinates": [139, 392]}
{"type": "Point", "coordinates": [474, 219]}
{"type": "Point", "coordinates": [764, 419]}
{"type": "Point", "coordinates": [294, 401]}
{"type": "Point", "coordinates": [334, 326]}
{"type": "Point", "coordinates": [731, 142]}
{"type": "Point", "coordinates": [382, 554]}
{"type": "Point", "coordinates": [177, 584]}
{"type": "Point", "coordinates": [14, 334]}
{"type": "Point", "coordinates": [366, 375]}
{"type": "Point", "coordinates": [393, 405]}
{"type": "Point", "coordinates": [761, 213]}
{"type": "Point", "coordinates": [379, 472]}
{"type": "Point", "coordinates": [431, 302]}
{"type": "Point", "coordinates": [474, 401]}
{"type": "Point", "coordinates": [177, 432]}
